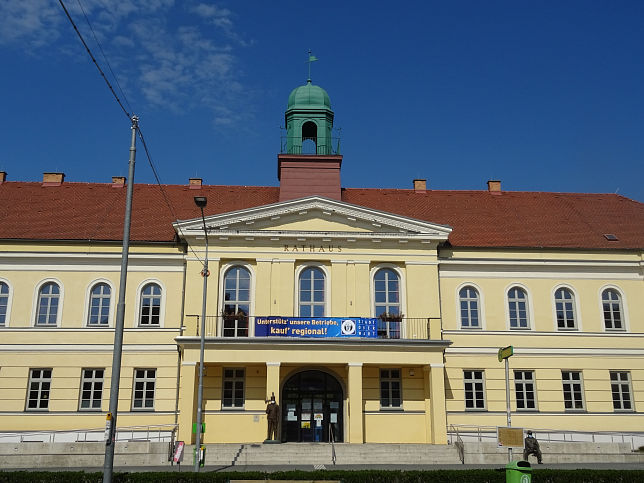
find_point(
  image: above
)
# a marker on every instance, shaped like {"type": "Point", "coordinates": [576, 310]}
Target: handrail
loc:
{"type": "Point", "coordinates": [460, 446]}
{"type": "Point", "coordinates": [332, 443]}
{"type": "Point", "coordinates": [549, 435]}
{"type": "Point", "coordinates": [147, 429]}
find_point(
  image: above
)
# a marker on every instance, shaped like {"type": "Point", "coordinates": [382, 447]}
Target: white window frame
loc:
{"type": "Point", "coordinates": [92, 381]}
{"type": "Point", "coordinates": [7, 318]}
{"type": "Point", "coordinates": [389, 380]}
{"type": "Point", "coordinates": [481, 325]}
{"type": "Point", "coordinates": [474, 381]}
{"type": "Point", "coordinates": [145, 379]}
{"type": "Point", "coordinates": [88, 301]}
{"type": "Point", "coordinates": [529, 311]}
{"type": "Point", "coordinates": [624, 305]}
{"type": "Point", "coordinates": [621, 383]}
{"type": "Point", "coordinates": [220, 295]}
{"type": "Point", "coordinates": [524, 391]}
{"type": "Point", "coordinates": [36, 300]}
{"type": "Point", "coordinates": [137, 308]}
{"type": "Point", "coordinates": [576, 309]}
{"type": "Point", "coordinates": [327, 285]}
{"type": "Point", "coordinates": [570, 382]}
{"type": "Point", "coordinates": [40, 381]}
{"type": "Point", "coordinates": [401, 291]}
{"type": "Point", "coordinates": [233, 380]}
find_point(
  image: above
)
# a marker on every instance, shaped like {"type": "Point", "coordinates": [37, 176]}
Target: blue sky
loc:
{"type": "Point", "coordinates": [546, 96]}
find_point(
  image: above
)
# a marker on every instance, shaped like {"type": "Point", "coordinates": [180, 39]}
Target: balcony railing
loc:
{"type": "Point", "coordinates": [240, 326]}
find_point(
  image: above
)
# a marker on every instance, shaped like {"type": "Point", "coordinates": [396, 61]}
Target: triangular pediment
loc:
{"type": "Point", "coordinates": [313, 217]}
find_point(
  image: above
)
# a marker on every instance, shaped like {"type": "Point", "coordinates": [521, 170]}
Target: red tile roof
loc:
{"type": "Point", "coordinates": [94, 211]}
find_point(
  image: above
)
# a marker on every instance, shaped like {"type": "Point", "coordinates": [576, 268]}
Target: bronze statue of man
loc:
{"type": "Point", "coordinates": [532, 447]}
{"type": "Point", "coordinates": [273, 417]}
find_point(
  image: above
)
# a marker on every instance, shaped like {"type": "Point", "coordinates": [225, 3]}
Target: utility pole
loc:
{"type": "Point", "coordinates": [201, 202]}
{"type": "Point", "coordinates": [504, 354]}
{"type": "Point", "coordinates": [110, 427]}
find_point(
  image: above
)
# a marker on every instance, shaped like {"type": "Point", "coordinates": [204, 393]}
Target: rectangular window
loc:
{"type": "Point", "coordinates": [39, 387]}
{"type": "Point", "coordinates": [573, 389]}
{"type": "Point", "coordinates": [91, 389]}
{"type": "Point", "coordinates": [474, 390]}
{"type": "Point", "coordinates": [525, 390]}
{"type": "Point", "coordinates": [143, 390]}
{"type": "Point", "coordinates": [233, 386]}
{"type": "Point", "coordinates": [620, 386]}
{"type": "Point", "coordinates": [390, 388]}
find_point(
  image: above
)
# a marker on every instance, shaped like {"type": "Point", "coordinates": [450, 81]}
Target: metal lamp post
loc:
{"type": "Point", "coordinates": [201, 202]}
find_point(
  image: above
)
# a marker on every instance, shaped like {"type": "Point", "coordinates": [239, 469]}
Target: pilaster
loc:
{"type": "Point", "coordinates": [356, 425]}
{"type": "Point", "coordinates": [187, 401]}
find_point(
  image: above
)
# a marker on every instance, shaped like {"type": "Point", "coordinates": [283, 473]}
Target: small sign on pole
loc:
{"type": "Point", "coordinates": [108, 428]}
{"type": "Point", "coordinates": [506, 352]}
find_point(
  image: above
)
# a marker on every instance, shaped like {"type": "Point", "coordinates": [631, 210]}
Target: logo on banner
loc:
{"type": "Point", "coordinates": [348, 327]}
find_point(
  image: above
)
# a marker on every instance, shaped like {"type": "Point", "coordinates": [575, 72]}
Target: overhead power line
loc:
{"type": "Point", "coordinates": [98, 42]}
{"type": "Point", "coordinates": [129, 116]}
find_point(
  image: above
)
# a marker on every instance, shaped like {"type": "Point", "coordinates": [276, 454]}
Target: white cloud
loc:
{"type": "Point", "coordinates": [168, 52]}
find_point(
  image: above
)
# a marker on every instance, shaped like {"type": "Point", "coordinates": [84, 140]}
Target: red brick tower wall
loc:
{"type": "Point", "coordinates": [306, 175]}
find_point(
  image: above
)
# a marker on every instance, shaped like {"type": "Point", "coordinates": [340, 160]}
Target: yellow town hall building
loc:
{"type": "Point", "coordinates": [372, 315]}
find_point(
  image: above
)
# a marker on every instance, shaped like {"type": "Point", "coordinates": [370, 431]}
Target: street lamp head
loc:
{"type": "Point", "coordinates": [201, 201]}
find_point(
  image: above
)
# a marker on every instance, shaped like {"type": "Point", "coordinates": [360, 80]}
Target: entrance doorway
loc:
{"type": "Point", "coordinates": [311, 407]}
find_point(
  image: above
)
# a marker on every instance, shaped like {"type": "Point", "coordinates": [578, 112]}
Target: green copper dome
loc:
{"type": "Point", "coordinates": [308, 96]}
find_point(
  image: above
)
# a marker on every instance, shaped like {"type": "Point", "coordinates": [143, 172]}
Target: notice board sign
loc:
{"type": "Point", "coordinates": [509, 437]}
{"type": "Point", "coordinates": [177, 455]}
{"type": "Point", "coordinates": [318, 327]}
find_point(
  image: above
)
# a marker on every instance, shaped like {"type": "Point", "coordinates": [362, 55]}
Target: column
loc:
{"type": "Point", "coordinates": [273, 380]}
{"type": "Point", "coordinates": [438, 412]}
{"type": "Point", "coordinates": [187, 401]}
{"type": "Point", "coordinates": [356, 427]}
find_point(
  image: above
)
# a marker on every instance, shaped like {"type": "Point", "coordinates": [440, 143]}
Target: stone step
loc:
{"type": "Point", "coordinates": [320, 453]}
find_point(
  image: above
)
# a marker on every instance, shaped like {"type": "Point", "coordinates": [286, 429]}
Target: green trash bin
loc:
{"type": "Point", "coordinates": [518, 472]}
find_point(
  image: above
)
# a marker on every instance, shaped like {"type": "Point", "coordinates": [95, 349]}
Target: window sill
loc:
{"type": "Point", "coordinates": [476, 410]}
{"type": "Point", "coordinates": [392, 410]}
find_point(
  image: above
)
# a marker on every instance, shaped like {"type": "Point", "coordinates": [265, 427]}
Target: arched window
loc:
{"type": "Point", "coordinates": [565, 309]}
{"type": "Point", "coordinates": [518, 308]}
{"type": "Point", "coordinates": [312, 297]}
{"type": "Point", "coordinates": [386, 290]}
{"type": "Point", "coordinates": [4, 302]}
{"type": "Point", "coordinates": [150, 309]}
{"type": "Point", "coordinates": [612, 308]}
{"type": "Point", "coordinates": [48, 298]}
{"type": "Point", "coordinates": [99, 305]}
{"type": "Point", "coordinates": [236, 302]}
{"type": "Point", "coordinates": [469, 303]}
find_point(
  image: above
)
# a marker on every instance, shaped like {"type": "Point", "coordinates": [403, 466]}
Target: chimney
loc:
{"type": "Point", "coordinates": [118, 181]}
{"type": "Point", "coordinates": [3, 176]}
{"type": "Point", "coordinates": [420, 185]}
{"type": "Point", "coordinates": [195, 183]}
{"type": "Point", "coordinates": [494, 186]}
{"type": "Point", "coordinates": [52, 179]}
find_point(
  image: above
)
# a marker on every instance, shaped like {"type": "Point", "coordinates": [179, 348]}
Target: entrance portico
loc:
{"type": "Point", "coordinates": [316, 390]}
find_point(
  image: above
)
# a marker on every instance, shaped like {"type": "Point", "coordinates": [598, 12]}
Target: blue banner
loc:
{"type": "Point", "coordinates": [318, 327]}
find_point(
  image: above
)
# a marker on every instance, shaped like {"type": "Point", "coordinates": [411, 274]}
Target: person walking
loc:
{"type": "Point", "coordinates": [532, 447]}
